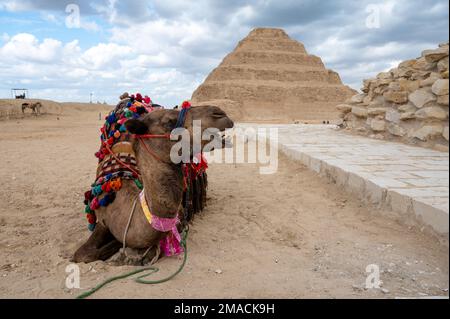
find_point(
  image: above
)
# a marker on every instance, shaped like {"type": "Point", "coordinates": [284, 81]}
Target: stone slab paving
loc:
{"type": "Point", "coordinates": [411, 181]}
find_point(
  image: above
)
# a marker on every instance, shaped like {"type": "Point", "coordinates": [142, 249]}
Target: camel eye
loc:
{"type": "Point", "coordinates": [218, 114]}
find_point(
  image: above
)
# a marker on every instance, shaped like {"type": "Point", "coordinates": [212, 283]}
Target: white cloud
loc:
{"type": "Point", "coordinates": [25, 46]}
{"type": "Point", "coordinates": [64, 71]}
{"type": "Point", "coordinates": [89, 25]}
{"type": "Point", "coordinates": [13, 6]}
{"type": "Point", "coordinates": [105, 55]}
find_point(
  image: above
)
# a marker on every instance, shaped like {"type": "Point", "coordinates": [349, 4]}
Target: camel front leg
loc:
{"type": "Point", "coordinates": [100, 246]}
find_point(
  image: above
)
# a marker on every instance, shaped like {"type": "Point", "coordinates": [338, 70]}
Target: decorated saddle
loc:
{"type": "Point", "coordinates": [117, 162]}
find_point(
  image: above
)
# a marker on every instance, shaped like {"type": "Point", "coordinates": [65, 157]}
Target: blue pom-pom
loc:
{"type": "Point", "coordinates": [102, 202]}
{"type": "Point", "coordinates": [91, 227]}
{"type": "Point", "coordinates": [111, 118]}
{"type": "Point", "coordinates": [122, 128]}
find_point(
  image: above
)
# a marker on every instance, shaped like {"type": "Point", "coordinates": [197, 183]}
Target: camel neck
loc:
{"type": "Point", "coordinates": [163, 185]}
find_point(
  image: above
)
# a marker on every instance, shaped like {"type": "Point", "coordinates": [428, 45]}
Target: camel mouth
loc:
{"type": "Point", "coordinates": [226, 136]}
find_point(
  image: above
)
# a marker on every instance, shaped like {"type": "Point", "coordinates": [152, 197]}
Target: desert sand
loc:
{"type": "Point", "coordinates": [290, 234]}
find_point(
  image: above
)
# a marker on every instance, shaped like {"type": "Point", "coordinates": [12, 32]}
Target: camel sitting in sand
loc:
{"type": "Point", "coordinates": [35, 107]}
{"type": "Point", "coordinates": [163, 186]}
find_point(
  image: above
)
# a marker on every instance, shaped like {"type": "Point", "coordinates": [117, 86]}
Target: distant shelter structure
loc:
{"type": "Point", "coordinates": [19, 93]}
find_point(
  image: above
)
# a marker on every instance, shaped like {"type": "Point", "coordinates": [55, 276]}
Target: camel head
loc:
{"type": "Point", "coordinates": [212, 118]}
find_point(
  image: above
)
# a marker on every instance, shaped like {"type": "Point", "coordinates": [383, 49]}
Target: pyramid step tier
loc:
{"type": "Point", "coordinates": [267, 57]}
{"type": "Point", "coordinates": [264, 44]}
{"type": "Point", "coordinates": [276, 93]}
{"type": "Point", "coordinates": [237, 73]}
{"type": "Point", "coordinates": [290, 111]}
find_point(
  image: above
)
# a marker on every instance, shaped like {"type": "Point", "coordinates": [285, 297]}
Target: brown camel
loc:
{"type": "Point", "coordinates": [162, 180]}
{"type": "Point", "coordinates": [35, 107]}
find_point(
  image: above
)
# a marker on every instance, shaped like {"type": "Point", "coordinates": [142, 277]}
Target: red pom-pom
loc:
{"type": "Point", "coordinates": [139, 97]}
{"type": "Point", "coordinates": [88, 195]}
{"type": "Point", "coordinates": [91, 218]}
{"type": "Point", "coordinates": [186, 105]}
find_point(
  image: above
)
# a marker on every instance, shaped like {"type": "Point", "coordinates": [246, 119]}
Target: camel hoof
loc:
{"type": "Point", "coordinates": [81, 256]}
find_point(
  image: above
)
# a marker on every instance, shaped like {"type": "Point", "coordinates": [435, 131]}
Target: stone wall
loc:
{"type": "Point", "coordinates": [409, 103]}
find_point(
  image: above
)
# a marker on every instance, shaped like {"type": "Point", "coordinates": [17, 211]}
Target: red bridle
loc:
{"type": "Point", "coordinates": [180, 122]}
{"type": "Point", "coordinates": [141, 138]}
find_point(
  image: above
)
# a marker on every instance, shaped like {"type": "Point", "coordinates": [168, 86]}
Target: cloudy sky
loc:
{"type": "Point", "coordinates": [166, 48]}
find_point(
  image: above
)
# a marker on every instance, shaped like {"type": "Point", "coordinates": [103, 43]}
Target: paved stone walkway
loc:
{"type": "Point", "coordinates": [412, 181]}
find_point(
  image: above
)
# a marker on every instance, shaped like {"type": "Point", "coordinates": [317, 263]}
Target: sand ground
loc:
{"type": "Point", "coordinates": [291, 234]}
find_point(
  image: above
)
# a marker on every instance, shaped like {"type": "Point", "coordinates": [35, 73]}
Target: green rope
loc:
{"type": "Point", "coordinates": [151, 270]}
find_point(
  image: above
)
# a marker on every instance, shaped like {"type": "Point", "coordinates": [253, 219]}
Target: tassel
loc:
{"type": "Point", "coordinates": [138, 183]}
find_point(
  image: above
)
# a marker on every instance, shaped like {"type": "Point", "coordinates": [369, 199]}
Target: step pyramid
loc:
{"type": "Point", "coordinates": [271, 78]}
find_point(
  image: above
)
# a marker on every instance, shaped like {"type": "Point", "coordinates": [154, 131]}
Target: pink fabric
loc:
{"type": "Point", "coordinates": [170, 244]}
{"type": "Point", "coordinates": [148, 107]}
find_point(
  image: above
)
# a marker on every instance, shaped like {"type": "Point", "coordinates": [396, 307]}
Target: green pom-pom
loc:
{"type": "Point", "coordinates": [128, 114]}
{"type": "Point", "coordinates": [88, 210]}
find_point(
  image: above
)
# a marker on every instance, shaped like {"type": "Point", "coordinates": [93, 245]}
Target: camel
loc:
{"type": "Point", "coordinates": [162, 181]}
{"type": "Point", "coordinates": [35, 107]}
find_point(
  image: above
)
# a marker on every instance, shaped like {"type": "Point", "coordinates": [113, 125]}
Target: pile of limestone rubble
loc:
{"type": "Point", "coordinates": [408, 103]}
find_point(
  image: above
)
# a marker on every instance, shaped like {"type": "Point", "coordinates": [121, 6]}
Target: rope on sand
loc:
{"type": "Point", "coordinates": [151, 270]}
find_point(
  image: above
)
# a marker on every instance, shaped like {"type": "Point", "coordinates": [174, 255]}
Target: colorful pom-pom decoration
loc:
{"type": "Point", "coordinates": [103, 191]}
{"type": "Point", "coordinates": [185, 105]}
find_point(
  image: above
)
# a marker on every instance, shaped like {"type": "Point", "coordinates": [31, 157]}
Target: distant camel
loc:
{"type": "Point", "coordinates": [35, 107]}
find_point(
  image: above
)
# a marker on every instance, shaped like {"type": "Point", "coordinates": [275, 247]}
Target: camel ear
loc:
{"type": "Point", "coordinates": [135, 126]}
